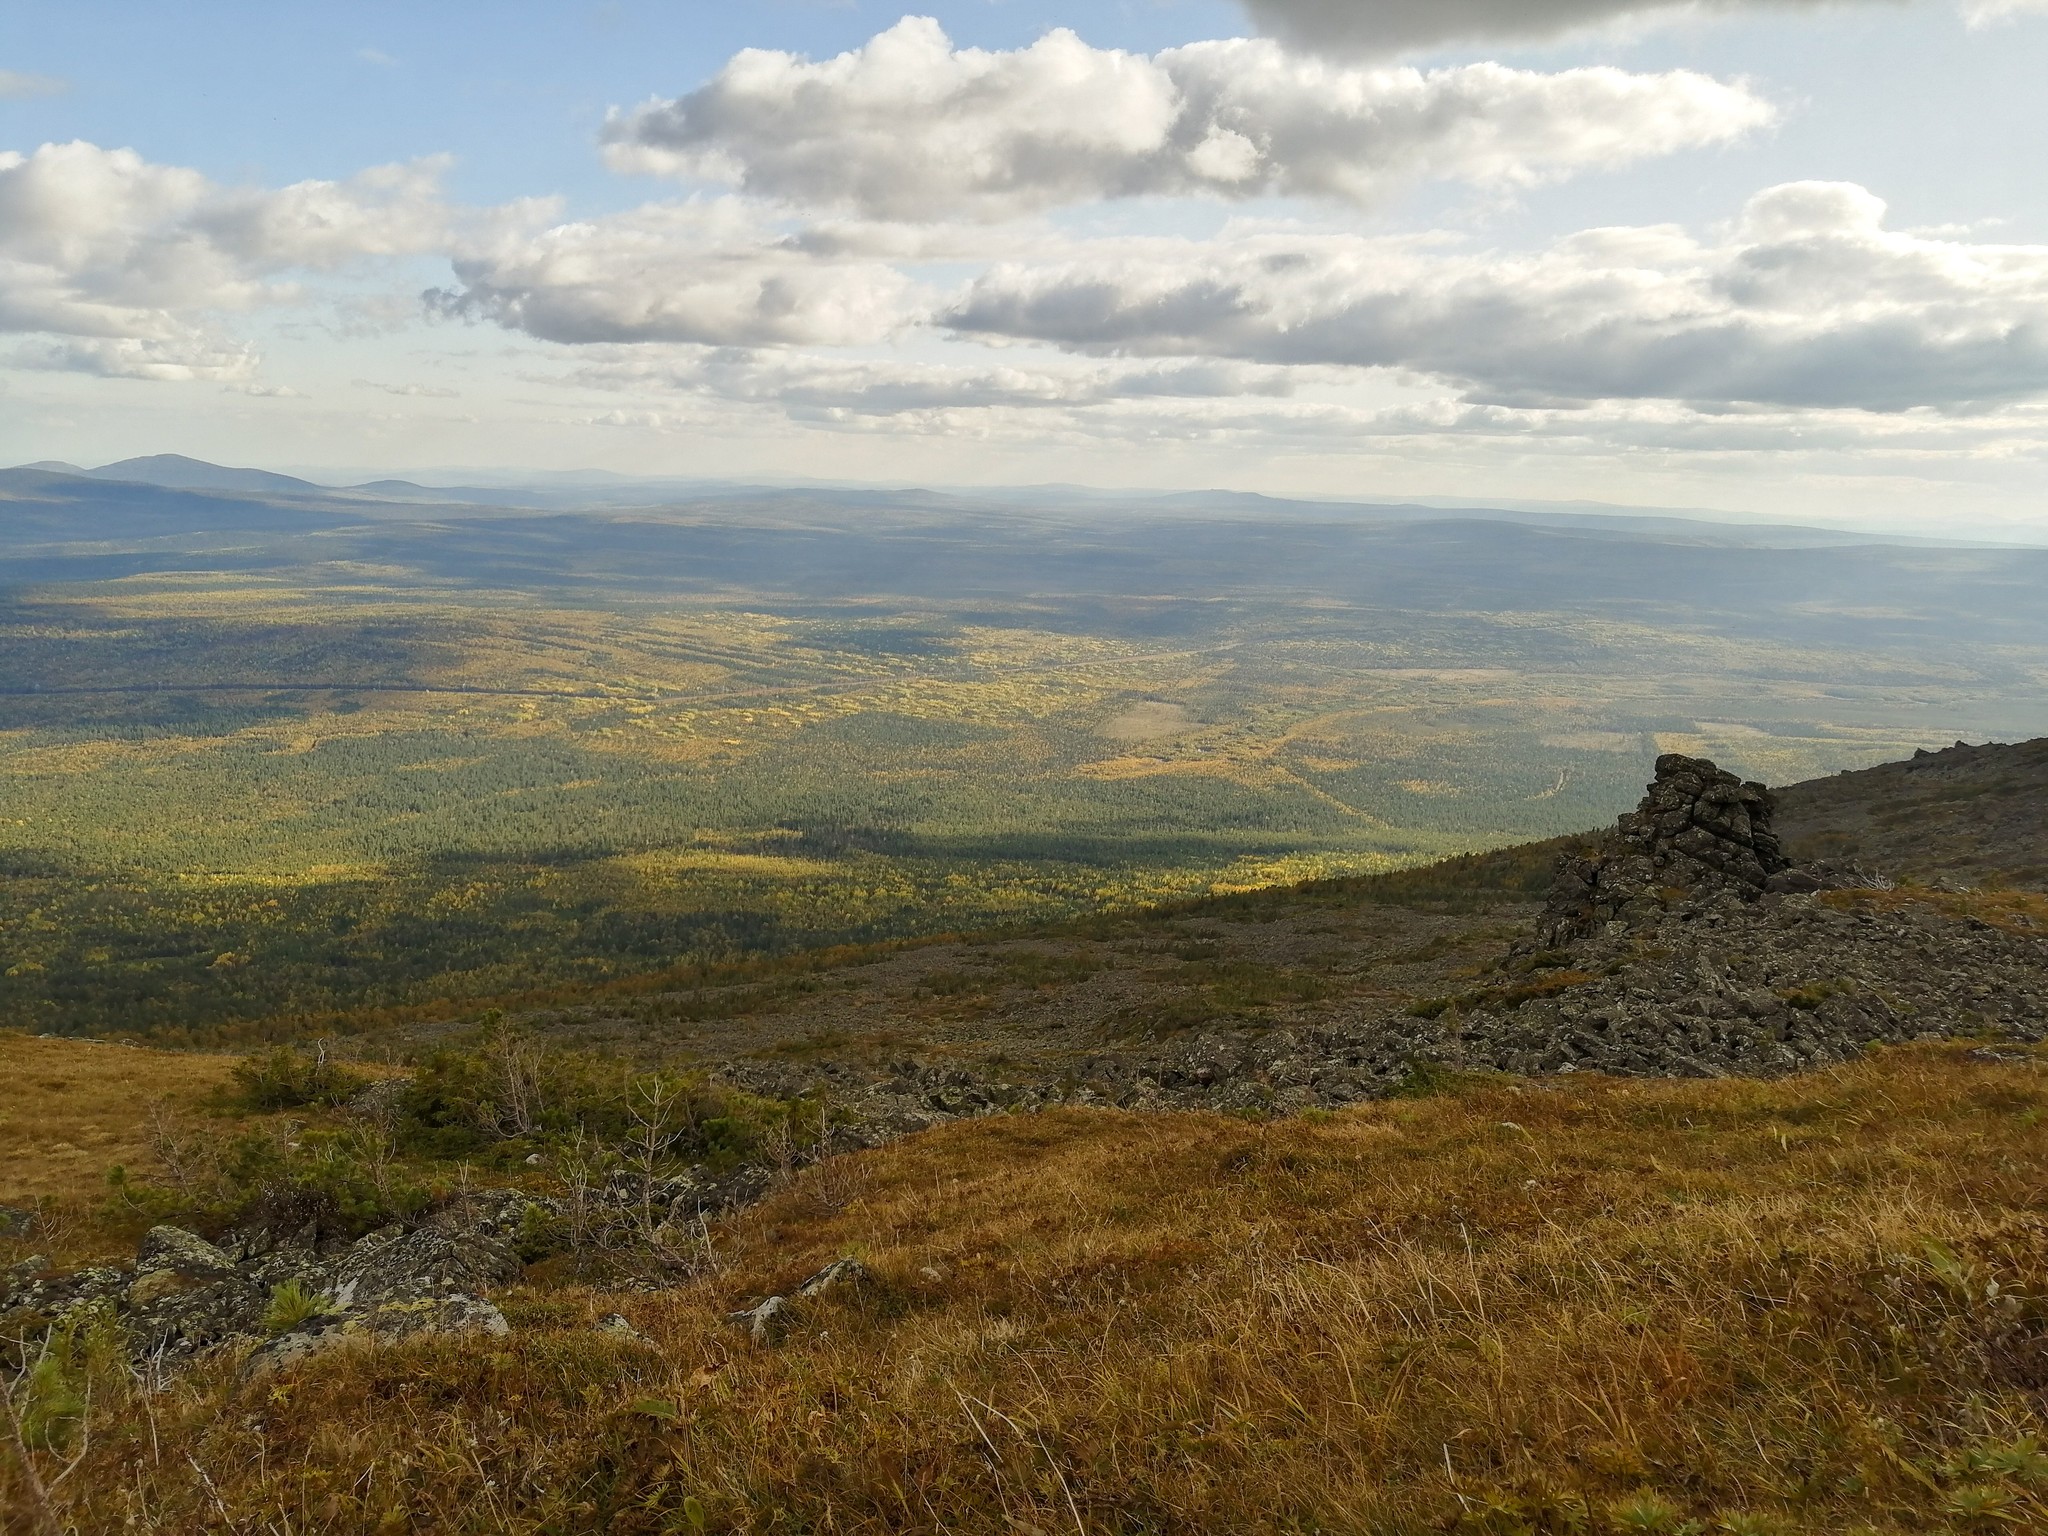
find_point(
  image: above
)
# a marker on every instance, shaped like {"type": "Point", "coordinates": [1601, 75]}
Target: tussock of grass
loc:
{"type": "Point", "coordinates": [1815, 1304]}
{"type": "Point", "coordinates": [290, 1305]}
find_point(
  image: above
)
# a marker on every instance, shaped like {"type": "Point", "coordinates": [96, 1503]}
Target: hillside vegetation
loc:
{"type": "Point", "coordinates": [1968, 815]}
{"type": "Point", "coordinates": [1818, 1304]}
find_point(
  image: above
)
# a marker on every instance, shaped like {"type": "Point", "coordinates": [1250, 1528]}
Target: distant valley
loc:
{"type": "Point", "coordinates": [276, 751]}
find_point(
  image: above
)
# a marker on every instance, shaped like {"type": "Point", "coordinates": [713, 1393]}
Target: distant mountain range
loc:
{"type": "Point", "coordinates": [175, 471]}
{"type": "Point", "coordinates": [598, 491]}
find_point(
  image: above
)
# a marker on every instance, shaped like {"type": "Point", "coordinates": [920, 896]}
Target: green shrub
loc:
{"type": "Point", "coordinates": [541, 1235]}
{"type": "Point", "coordinates": [51, 1403]}
{"type": "Point", "coordinates": [288, 1078]}
{"type": "Point", "coordinates": [1425, 1079]}
{"type": "Point", "coordinates": [341, 1182]}
{"type": "Point", "coordinates": [53, 1393]}
{"type": "Point", "coordinates": [509, 1090]}
{"type": "Point", "coordinates": [1813, 994]}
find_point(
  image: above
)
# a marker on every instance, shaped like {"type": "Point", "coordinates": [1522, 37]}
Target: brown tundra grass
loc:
{"type": "Point", "coordinates": [71, 1109]}
{"type": "Point", "coordinates": [1575, 1305]}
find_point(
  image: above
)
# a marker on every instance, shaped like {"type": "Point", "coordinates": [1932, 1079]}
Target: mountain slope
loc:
{"type": "Point", "coordinates": [1967, 815]}
{"type": "Point", "coordinates": [1518, 1299]}
{"type": "Point", "coordinates": [1731, 1307]}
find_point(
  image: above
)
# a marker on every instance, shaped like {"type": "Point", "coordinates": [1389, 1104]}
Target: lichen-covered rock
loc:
{"type": "Point", "coordinates": [393, 1266]}
{"type": "Point", "coordinates": [616, 1325]}
{"type": "Point", "coordinates": [380, 1322]}
{"type": "Point", "coordinates": [33, 1297]}
{"type": "Point", "coordinates": [767, 1321]}
{"type": "Point", "coordinates": [169, 1325]}
{"type": "Point", "coordinates": [394, 1285]}
{"type": "Point", "coordinates": [185, 1295]}
{"type": "Point", "coordinates": [17, 1280]}
{"type": "Point", "coordinates": [499, 1213]}
{"type": "Point", "coordinates": [186, 1255]}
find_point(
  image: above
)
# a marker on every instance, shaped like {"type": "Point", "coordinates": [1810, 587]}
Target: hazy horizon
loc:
{"type": "Point", "coordinates": [563, 481]}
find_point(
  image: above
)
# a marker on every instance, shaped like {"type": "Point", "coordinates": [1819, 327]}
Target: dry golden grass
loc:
{"type": "Point", "coordinates": [1819, 1304]}
{"type": "Point", "coordinates": [71, 1110]}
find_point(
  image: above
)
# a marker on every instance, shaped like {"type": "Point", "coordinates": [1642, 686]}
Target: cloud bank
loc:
{"type": "Point", "coordinates": [910, 128]}
{"type": "Point", "coordinates": [16, 86]}
{"type": "Point", "coordinates": [1808, 300]}
{"type": "Point", "coordinates": [1378, 27]}
{"type": "Point", "coordinates": [1381, 28]}
{"type": "Point", "coordinates": [810, 387]}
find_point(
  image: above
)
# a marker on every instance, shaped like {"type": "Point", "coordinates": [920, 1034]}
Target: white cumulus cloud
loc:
{"type": "Point", "coordinates": [176, 357]}
{"type": "Point", "coordinates": [702, 272]}
{"type": "Point", "coordinates": [123, 267]}
{"type": "Point", "coordinates": [908, 127]}
{"type": "Point", "coordinates": [1808, 300]}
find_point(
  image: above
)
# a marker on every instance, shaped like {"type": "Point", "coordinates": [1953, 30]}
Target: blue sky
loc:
{"type": "Point", "coordinates": [967, 255]}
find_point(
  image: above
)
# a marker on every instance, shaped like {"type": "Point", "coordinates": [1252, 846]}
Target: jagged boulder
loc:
{"type": "Point", "coordinates": [184, 1295]}
{"type": "Point", "coordinates": [171, 1260]}
{"type": "Point", "coordinates": [1698, 827]}
{"type": "Point", "coordinates": [31, 1298]}
{"type": "Point", "coordinates": [389, 1265]}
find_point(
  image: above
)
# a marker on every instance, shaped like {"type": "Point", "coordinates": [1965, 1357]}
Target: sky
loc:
{"type": "Point", "coordinates": [1786, 257]}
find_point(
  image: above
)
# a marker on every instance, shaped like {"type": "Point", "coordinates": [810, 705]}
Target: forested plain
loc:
{"type": "Point", "coordinates": [267, 762]}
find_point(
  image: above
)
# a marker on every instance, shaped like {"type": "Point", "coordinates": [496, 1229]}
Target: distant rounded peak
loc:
{"type": "Point", "coordinates": [178, 472]}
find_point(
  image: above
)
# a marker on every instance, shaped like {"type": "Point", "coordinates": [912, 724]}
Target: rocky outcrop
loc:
{"type": "Point", "coordinates": [1717, 985]}
{"type": "Point", "coordinates": [380, 1321]}
{"type": "Point", "coordinates": [185, 1295]}
{"type": "Point", "coordinates": [1698, 828]}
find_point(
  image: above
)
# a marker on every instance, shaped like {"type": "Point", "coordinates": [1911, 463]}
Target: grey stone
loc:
{"type": "Point", "coordinates": [425, 1263]}
{"type": "Point", "coordinates": [174, 1251]}
{"type": "Point", "coordinates": [840, 1272]}
{"type": "Point", "coordinates": [615, 1325]}
{"type": "Point", "coordinates": [768, 1321]}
